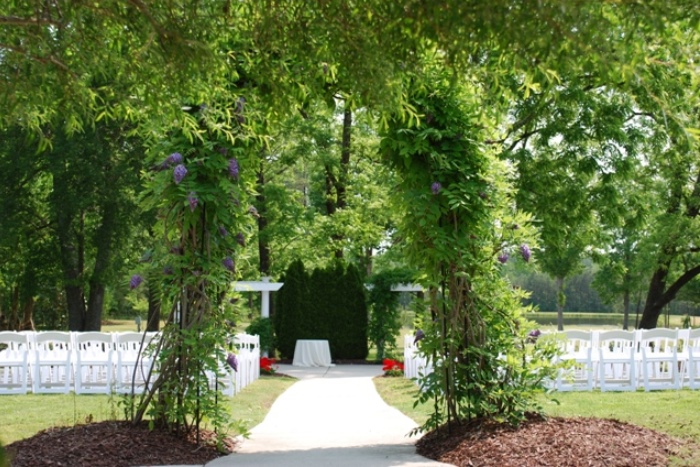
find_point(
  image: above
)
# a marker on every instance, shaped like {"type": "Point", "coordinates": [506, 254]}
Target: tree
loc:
{"type": "Point", "coordinates": [29, 274]}
{"type": "Point", "coordinates": [458, 218]}
{"type": "Point", "coordinates": [93, 209]}
{"type": "Point", "coordinates": [200, 194]}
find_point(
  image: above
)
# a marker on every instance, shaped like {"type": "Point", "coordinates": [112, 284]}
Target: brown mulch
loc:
{"type": "Point", "coordinates": [112, 444]}
{"type": "Point", "coordinates": [555, 442]}
{"type": "Point", "coordinates": [561, 442]}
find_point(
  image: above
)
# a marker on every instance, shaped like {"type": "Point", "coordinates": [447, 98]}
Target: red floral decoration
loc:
{"type": "Point", "coordinates": [267, 365]}
{"type": "Point", "coordinates": [392, 365]}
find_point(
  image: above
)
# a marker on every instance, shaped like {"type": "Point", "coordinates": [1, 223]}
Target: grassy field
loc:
{"type": "Point", "coordinates": [24, 415]}
{"type": "Point", "coordinates": [671, 412]}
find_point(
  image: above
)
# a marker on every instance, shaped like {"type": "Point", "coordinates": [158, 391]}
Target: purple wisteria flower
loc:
{"type": "Point", "coordinates": [436, 187]}
{"type": "Point", "coordinates": [192, 200]}
{"type": "Point", "coordinates": [174, 159]}
{"type": "Point", "coordinates": [179, 173]}
{"type": "Point", "coordinates": [232, 361]}
{"type": "Point", "coordinates": [525, 252]}
{"type": "Point", "coordinates": [419, 335]}
{"type": "Point", "coordinates": [229, 264]}
{"type": "Point", "coordinates": [222, 231]}
{"type": "Point", "coordinates": [240, 238]}
{"type": "Point", "coordinates": [533, 335]}
{"type": "Point", "coordinates": [503, 258]}
{"type": "Point", "coordinates": [233, 168]}
{"type": "Point", "coordinates": [135, 281]}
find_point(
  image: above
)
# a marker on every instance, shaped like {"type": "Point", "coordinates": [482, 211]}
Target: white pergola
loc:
{"type": "Point", "coordinates": [264, 286]}
{"type": "Point", "coordinates": [406, 288]}
{"type": "Point", "coordinates": [401, 287]}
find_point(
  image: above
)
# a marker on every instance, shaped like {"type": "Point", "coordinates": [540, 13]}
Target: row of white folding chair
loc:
{"type": "Point", "coordinates": [14, 363]}
{"type": "Point", "coordinates": [55, 362]}
{"type": "Point", "coordinates": [618, 360]}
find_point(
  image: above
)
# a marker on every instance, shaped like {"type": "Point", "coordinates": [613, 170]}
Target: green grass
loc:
{"type": "Point", "coordinates": [672, 412]}
{"type": "Point", "coordinates": [23, 416]}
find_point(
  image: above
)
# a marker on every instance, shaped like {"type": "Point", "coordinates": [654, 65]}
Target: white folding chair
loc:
{"type": "Point", "coordinates": [52, 363]}
{"type": "Point", "coordinates": [660, 365]}
{"type": "Point", "coordinates": [14, 363]}
{"type": "Point", "coordinates": [135, 359]}
{"type": "Point", "coordinates": [94, 366]}
{"type": "Point", "coordinates": [577, 347]}
{"type": "Point", "coordinates": [617, 361]}
{"type": "Point", "coordinates": [691, 359]}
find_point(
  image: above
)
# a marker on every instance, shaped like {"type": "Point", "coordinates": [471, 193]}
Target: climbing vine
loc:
{"type": "Point", "coordinates": [198, 190]}
{"type": "Point", "coordinates": [459, 225]}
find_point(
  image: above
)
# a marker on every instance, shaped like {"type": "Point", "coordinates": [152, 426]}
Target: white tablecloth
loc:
{"type": "Point", "coordinates": [312, 353]}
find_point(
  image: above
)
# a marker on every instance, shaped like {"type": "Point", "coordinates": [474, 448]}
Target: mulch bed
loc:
{"type": "Point", "coordinates": [112, 444]}
{"type": "Point", "coordinates": [554, 442]}
{"type": "Point", "coordinates": [561, 442]}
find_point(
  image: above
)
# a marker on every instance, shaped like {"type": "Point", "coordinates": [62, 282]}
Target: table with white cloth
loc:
{"type": "Point", "coordinates": [312, 352]}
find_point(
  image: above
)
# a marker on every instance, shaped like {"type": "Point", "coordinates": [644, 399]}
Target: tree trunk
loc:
{"type": "Point", "coordinates": [95, 303]}
{"type": "Point", "coordinates": [75, 302]}
{"type": "Point", "coordinates": [104, 244]}
{"type": "Point", "coordinates": [154, 301]}
{"type": "Point", "coordinates": [659, 295]}
{"type": "Point", "coordinates": [561, 300]}
{"type": "Point", "coordinates": [626, 310]}
{"type": "Point", "coordinates": [263, 244]}
{"type": "Point", "coordinates": [71, 262]}
{"type": "Point", "coordinates": [341, 186]}
{"type": "Point", "coordinates": [27, 323]}
{"type": "Point", "coordinates": [13, 320]}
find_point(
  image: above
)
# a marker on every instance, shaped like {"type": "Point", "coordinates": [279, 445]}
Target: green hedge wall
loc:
{"type": "Point", "coordinates": [328, 304]}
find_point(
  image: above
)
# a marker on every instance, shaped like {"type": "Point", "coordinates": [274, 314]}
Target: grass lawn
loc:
{"type": "Point", "coordinates": [23, 416]}
{"type": "Point", "coordinates": [671, 412]}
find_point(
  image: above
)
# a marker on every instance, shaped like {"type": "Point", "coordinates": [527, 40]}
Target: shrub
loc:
{"type": "Point", "coordinates": [263, 327]}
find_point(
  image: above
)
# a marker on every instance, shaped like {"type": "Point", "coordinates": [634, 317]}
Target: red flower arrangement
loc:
{"type": "Point", "coordinates": [392, 367]}
{"type": "Point", "coordinates": [267, 365]}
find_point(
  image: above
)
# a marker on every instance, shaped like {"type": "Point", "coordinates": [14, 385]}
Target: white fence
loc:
{"type": "Point", "coordinates": [653, 359]}
{"type": "Point", "coordinates": [97, 362]}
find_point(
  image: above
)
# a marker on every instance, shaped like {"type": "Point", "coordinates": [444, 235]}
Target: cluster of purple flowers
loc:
{"type": "Point", "coordinates": [222, 231]}
{"type": "Point", "coordinates": [533, 335]}
{"type": "Point", "coordinates": [232, 361]}
{"type": "Point", "coordinates": [233, 168]}
{"type": "Point", "coordinates": [436, 187]}
{"type": "Point", "coordinates": [192, 200]}
{"type": "Point", "coordinates": [179, 173]}
{"type": "Point", "coordinates": [240, 238]}
{"type": "Point", "coordinates": [173, 159]}
{"type": "Point", "coordinates": [229, 264]}
{"type": "Point", "coordinates": [135, 281]}
{"type": "Point", "coordinates": [525, 252]}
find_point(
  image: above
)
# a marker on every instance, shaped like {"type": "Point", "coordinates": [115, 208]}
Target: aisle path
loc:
{"type": "Point", "coordinates": [330, 417]}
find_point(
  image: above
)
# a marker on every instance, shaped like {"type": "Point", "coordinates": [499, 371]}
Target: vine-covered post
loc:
{"type": "Point", "coordinates": [459, 226]}
{"type": "Point", "coordinates": [200, 195]}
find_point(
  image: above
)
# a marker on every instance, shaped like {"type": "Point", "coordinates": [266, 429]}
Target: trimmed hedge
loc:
{"type": "Point", "coordinates": [329, 304]}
